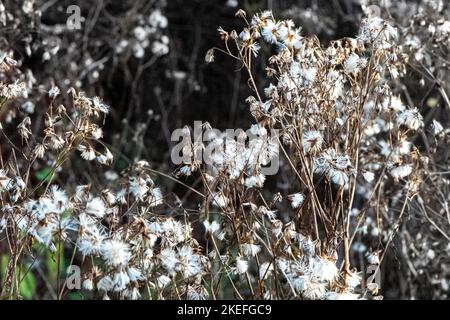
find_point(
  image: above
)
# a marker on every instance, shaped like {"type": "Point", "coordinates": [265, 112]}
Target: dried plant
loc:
{"type": "Point", "coordinates": [357, 159]}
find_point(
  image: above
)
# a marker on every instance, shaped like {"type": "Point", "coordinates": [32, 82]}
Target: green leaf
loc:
{"type": "Point", "coordinates": [52, 264]}
{"type": "Point", "coordinates": [3, 265]}
{"type": "Point", "coordinates": [27, 287]}
{"type": "Point", "coordinates": [46, 174]}
{"type": "Point", "coordinates": [75, 296]}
